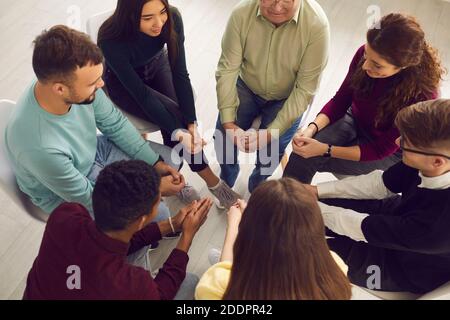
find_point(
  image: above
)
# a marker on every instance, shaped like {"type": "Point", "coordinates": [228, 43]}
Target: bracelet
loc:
{"type": "Point", "coordinates": [328, 153]}
{"type": "Point", "coordinates": [315, 124]}
{"type": "Point", "coordinates": [171, 224]}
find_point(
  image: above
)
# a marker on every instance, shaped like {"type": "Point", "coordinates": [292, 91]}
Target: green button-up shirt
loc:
{"type": "Point", "coordinates": [276, 63]}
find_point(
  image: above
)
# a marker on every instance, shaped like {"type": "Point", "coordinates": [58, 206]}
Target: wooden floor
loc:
{"type": "Point", "coordinates": [22, 20]}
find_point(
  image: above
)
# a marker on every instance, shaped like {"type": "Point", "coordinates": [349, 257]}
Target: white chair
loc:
{"type": "Point", "coordinates": [92, 26]}
{"type": "Point", "coordinates": [441, 293]}
{"type": "Point", "coordinates": [7, 177]}
{"type": "Point", "coordinates": [95, 22]}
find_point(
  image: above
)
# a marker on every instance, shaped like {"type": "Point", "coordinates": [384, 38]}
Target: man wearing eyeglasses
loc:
{"type": "Point", "coordinates": [273, 54]}
{"type": "Point", "coordinates": [405, 237]}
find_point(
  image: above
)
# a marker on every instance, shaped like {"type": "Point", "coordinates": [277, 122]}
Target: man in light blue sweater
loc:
{"type": "Point", "coordinates": [52, 137]}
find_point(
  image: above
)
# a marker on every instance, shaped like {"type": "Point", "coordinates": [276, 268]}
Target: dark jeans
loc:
{"type": "Point", "coordinates": [157, 77]}
{"type": "Point", "coordinates": [359, 256]}
{"type": "Point", "coordinates": [251, 106]}
{"type": "Point", "coordinates": [343, 132]}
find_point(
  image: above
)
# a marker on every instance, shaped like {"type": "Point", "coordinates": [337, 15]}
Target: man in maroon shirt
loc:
{"type": "Point", "coordinates": [80, 258]}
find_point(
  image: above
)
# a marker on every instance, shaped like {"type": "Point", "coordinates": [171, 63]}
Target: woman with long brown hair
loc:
{"type": "Point", "coordinates": [355, 133]}
{"type": "Point", "coordinates": [146, 79]}
{"type": "Point", "coordinates": [276, 251]}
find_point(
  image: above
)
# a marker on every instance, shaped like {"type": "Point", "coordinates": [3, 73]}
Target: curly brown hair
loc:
{"type": "Point", "coordinates": [400, 40]}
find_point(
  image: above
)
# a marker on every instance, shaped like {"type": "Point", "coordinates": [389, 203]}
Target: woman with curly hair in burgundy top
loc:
{"type": "Point", "coordinates": [354, 133]}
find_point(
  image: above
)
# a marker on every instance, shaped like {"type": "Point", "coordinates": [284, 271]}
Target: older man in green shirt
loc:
{"type": "Point", "coordinates": [273, 55]}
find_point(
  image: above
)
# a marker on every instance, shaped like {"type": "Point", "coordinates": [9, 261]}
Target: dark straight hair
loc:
{"type": "Point", "coordinates": [124, 24]}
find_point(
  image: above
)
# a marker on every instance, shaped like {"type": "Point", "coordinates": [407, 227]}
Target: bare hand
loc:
{"type": "Point", "coordinates": [309, 147]}
{"type": "Point", "coordinates": [195, 218]}
{"type": "Point", "coordinates": [253, 140]}
{"type": "Point", "coordinates": [197, 139]}
{"type": "Point", "coordinates": [235, 212]}
{"type": "Point", "coordinates": [191, 139]}
{"type": "Point", "coordinates": [164, 169]}
{"type": "Point", "coordinates": [171, 186]}
{"type": "Point", "coordinates": [178, 219]}
{"type": "Point", "coordinates": [307, 132]}
{"type": "Point", "coordinates": [235, 134]}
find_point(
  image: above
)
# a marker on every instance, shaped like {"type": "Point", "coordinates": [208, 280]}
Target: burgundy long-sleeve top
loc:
{"type": "Point", "coordinates": [365, 109]}
{"type": "Point", "coordinates": [71, 238]}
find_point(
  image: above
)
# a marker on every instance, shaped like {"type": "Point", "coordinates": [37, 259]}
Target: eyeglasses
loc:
{"type": "Point", "coordinates": [286, 4]}
{"type": "Point", "coordinates": [402, 146]}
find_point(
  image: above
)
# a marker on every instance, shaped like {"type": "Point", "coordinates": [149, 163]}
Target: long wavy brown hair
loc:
{"type": "Point", "coordinates": [281, 252]}
{"type": "Point", "coordinates": [400, 40]}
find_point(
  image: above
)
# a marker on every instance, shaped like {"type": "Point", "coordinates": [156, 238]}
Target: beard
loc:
{"type": "Point", "coordinates": [88, 100]}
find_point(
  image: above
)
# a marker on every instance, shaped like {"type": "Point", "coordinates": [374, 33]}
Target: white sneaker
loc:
{"type": "Point", "coordinates": [225, 197]}
{"type": "Point", "coordinates": [188, 194]}
{"type": "Point", "coordinates": [214, 256]}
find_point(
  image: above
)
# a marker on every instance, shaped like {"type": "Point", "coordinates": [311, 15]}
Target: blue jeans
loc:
{"type": "Point", "coordinates": [251, 106]}
{"type": "Point", "coordinates": [107, 153]}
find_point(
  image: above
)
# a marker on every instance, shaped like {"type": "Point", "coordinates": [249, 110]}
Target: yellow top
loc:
{"type": "Point", "coordinates": [214, 282]}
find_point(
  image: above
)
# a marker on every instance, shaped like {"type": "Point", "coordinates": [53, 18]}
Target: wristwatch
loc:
{"type": "Point", "coordinates": [328, 153]}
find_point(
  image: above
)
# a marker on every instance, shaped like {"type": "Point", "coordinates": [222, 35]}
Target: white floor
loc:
{"type": "Point", "coordinates": [22, 20]}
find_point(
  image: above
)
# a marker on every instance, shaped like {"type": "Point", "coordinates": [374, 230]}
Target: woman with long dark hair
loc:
{"type": "Point", "coordinates": [275, 249]}
{"type": "Point", "coordinates": [146, 75]}
{"type": "Point", "coordinates": [355, 133]}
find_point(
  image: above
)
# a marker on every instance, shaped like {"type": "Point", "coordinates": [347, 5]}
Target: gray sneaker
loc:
{"type": "Point", "coordinates": [214, 256]}
{"type": "Point", "coordinates": [225, 196]}
{"type": "Point", "coordinates": [188, 194]}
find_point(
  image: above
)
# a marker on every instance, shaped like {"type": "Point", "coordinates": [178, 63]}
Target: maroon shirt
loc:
{"type": "Point", "coordinates": [364, 112]}
{"type": "Point", "coordinates": [72, 238]}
